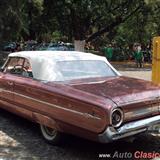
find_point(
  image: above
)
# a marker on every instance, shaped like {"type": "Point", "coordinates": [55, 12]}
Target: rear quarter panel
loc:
{"type": "Point", "coordinates": [60, 104]}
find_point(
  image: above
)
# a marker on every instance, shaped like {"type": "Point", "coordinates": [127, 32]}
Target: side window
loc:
{"type": "Point", "coordinates": [14, 66]}
{"type": "Point", "coordinates": [27, 72]}
{"type": "Point", "coordinates": [19, 66]}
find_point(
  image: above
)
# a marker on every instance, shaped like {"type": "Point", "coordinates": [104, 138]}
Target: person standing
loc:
{"type": "Point", "coordinates": [138, 57]}
{"type": "Point", "coordinates": [108, 51]}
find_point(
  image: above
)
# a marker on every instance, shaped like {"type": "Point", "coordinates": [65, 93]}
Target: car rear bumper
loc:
{"type": "Point", "coordinates": [128, 129]}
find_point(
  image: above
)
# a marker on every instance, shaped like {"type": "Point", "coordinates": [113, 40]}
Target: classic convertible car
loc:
{"type": "Point", "coordinates": [77, 93]}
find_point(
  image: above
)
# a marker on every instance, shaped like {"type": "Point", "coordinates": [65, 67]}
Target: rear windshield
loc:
{"type": "Point", "coordinates": [79, 69]}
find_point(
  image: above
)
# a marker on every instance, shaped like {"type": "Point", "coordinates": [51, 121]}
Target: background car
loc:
{"type": "Point", "coordinates": [8, 46]}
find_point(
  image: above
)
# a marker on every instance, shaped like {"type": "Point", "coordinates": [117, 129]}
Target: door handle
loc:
{"type": "Point", "coordinates": [10, 83]}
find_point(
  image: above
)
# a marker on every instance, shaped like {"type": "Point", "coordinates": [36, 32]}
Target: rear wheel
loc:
{"type": "Point", "coordinates": [51, 135]}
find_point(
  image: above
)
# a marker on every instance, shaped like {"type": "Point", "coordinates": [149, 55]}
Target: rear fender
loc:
{"type": "Point", "coordinates": [45, 120]}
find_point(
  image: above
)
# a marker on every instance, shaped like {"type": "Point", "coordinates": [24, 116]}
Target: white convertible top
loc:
{"type": "Point", "coordinates": [56, 55]}
{"type": "Point", "coordinates": [43, 63]}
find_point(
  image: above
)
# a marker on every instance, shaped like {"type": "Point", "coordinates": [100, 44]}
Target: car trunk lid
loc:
{"type": "Point", "coordinates": [138, 98]}
{"type": "Point", "coordinates": [122, 90]}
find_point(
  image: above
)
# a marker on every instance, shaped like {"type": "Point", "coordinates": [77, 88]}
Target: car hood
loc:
{"type": "Point", "coordinates": [121, 90]}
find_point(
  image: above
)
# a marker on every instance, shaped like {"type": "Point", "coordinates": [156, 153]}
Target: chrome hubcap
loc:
{"type": "Point", "coordinates": [50, 131]}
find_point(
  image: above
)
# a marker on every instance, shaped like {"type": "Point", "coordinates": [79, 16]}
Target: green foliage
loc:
{"type": "Point", "coordinates": [10, 19]}
{"type": "Point", "coordinates": [98, 21]}
{"type": "Point", "coordinates": [56, 36]}
{"type": "Point", "coordinates": [15, 23]}
{"type": "Point", "coordinates": [82, 19]}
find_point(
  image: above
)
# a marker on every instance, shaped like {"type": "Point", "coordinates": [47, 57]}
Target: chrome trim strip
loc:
{"type": "Point", "coordinates": [93, 82]}
{"type": "Point", "coordinates": [86, 115]}
{"type": "Point", "coordinates": [140, 100]}
{"type": "Point", "coordinates": [142, 111]}
{"type": "Point", "coordinates": [129, 129]}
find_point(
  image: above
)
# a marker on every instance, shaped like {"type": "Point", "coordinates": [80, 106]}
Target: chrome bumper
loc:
{"type": "Point", "coordinates": [129, 129]}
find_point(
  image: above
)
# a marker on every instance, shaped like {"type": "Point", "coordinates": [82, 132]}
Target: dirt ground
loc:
{"type": "Point", "coordinates": [21, 140]}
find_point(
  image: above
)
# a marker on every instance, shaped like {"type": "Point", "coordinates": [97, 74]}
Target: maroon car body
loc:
{"type": "Point", "coordinates": [101, 108]}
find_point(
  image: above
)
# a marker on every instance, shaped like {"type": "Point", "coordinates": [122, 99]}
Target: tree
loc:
{"type": "Point", "coordinates": [34, 9]}
{"type": "Point", "coordinates": [20, 19]}
{"type": "Point", "coordinates": [97, 21]}
{"type": "Point", "coordinates": [88, 19]}
{"type": "Point", "coordinates": [11, 21]}
{"type": "Point", "coordinates": [142, 26]}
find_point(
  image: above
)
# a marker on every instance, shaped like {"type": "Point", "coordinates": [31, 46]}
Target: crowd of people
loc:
{"type": "Point", "coordinates": [136, 52]}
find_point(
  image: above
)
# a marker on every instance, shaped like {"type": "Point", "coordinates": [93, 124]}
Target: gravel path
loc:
{"type": "Point", "coordinates": [21, 140]}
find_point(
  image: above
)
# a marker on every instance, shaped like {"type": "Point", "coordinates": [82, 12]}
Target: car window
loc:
{"type": "Point", "coordinates": [14, 65]}
{"type": "Point", "coordinates": [14, 61]}
{"type": "Point", "coordinates": [79, 69]}
{"type": "Point", "coordinates": [28, 69]}
{"type": "Point", "coordinates": [18, 66]}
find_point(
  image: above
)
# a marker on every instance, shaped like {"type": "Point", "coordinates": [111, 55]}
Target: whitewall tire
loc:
{"type": "Point", "coordinates": [51, 135]}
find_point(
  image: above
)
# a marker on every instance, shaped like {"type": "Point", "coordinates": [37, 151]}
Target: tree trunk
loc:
{"type": "Point", "coordinates": [79, 45]}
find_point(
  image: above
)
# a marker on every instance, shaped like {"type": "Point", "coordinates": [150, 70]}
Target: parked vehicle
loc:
{"type": "Point", "coordinates": [10, 46]}
{"type": "Point", "coordinates": [60, 47]}
{"type": "Point", "coordinates": [30, 45]}
{"type": "Point", "coordinates": [79, 94]}
{"type": "Point", "coordinates": [56, 47]}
